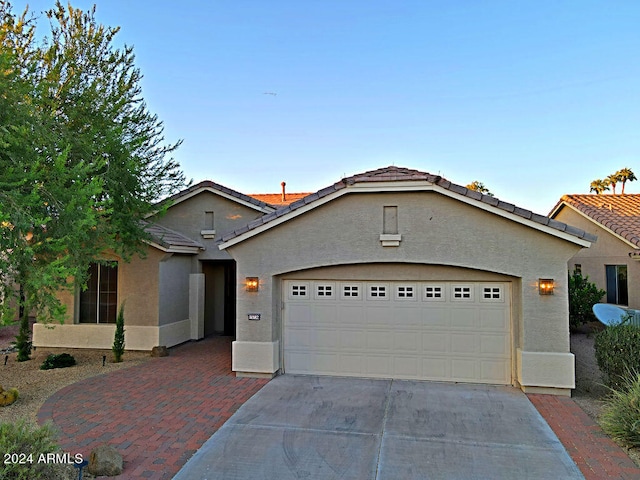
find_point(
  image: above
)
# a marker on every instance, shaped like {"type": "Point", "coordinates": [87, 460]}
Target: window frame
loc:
{"type": "Point", "coordinates": [104, 291]}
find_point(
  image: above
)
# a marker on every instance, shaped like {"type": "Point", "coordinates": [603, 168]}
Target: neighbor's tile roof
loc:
{"type": "Point", "coordinates": [399, 174]}
{"type": "Point", "coordinates": [216, 186]}
{"type": "Point", "coordinates": [618, 213]}
{"type": "Point", "coordinates": [276, 200]}
{"type": "Point", "coordinates": [168, 238]}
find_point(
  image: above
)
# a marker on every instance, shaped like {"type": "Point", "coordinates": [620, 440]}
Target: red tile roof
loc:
{"type": "Point", "coordinates": [618, 213]}
{"type": "Point", "coordinates": [276, 200]}
{"type": "Point", "coordinates": [215, 186]}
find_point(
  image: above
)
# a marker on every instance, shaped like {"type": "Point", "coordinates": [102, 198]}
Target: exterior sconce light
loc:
{"type": "Point", "coordinates": [251, 284]}
{"type": "Point", "coordinates": [545, 286]}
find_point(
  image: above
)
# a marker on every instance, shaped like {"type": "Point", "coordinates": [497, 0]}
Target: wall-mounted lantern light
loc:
{"type": "Point", "coordinates": [251, 284]}
{"type": "Point", "coordinates": [545, 286]}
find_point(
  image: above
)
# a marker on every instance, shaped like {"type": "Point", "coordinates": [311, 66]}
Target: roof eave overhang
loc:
{"type": "Point", "coordinates": [174, 248]}
{"type": "Point", "coordinates": [407, 186]}
{"type": "Point", "coordinates": [595, 222]}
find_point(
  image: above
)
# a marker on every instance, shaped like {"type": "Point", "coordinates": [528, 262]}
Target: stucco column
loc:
{"type": "Point", "coordinates": [196, 305]}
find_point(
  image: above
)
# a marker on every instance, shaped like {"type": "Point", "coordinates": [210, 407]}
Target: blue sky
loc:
{"type": "Point", "coordinates": [534, 99]}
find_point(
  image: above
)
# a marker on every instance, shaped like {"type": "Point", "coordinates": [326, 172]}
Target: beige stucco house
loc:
{"type": "Point", "coordinates": [392, 273]}
{"type": "Point", "coordinates": [613, 262]}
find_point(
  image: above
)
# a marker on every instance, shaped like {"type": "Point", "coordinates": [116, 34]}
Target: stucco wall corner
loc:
{"type": "Point", "coordinates": [255, 357]}
{"type": "Point", "coordinates": [545, 370]}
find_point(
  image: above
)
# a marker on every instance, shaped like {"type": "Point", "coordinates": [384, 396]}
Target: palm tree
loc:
{"type": "Point", "coordinates": [625, 175]}
{"type": "Point", "coordinates": [613, 179]}
{"type": "Point", "coordinates": [477, 186]}
{"type": "Point", "coordinates": [599, 186]}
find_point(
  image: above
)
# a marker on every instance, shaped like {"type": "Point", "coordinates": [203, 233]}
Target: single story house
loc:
{"type": "Point", "coordinates": [613, 263]}
{"type": "Point", "coordinates": [391, 273]}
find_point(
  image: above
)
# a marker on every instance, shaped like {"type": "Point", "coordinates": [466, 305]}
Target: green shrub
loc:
{"type": "Point", "coordinates": [618, 352]}
{"type": "Point", "coordinates": [118, 340]}
{"type": "Point", "coordinates": [23, 340]}
{"type": "Point", "coordinates": [24, 446]}
{"type": "Point", "coordinates": [621, 415]}
{"type": "Point", "coordinates": [583, 295]}
{"type": "Point", "coordinates": [61, 360]}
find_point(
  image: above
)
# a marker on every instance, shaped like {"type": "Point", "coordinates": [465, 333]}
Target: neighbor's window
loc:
{"type": "Point", "coordinates": [617, 290]}
{"type": "Point", "coordinates": [98, 303]}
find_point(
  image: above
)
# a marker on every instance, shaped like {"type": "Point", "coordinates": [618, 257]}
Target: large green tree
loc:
{"type": "Point", "coordinates": [82, 160]}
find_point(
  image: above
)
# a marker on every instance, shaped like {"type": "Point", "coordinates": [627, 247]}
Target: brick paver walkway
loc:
{"type": "Point", "coordinates": [156, 414]}
{"type": "Point", "coordinates": [596, 455]}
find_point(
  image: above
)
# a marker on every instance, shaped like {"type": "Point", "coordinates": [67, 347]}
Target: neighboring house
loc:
{"type": "Point", "coordinates": [613, 262]}
{"type": "Point", "coordinates": [391, 273]}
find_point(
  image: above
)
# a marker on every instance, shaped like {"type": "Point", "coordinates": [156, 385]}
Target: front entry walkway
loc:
{"type": "Point", "coordinates": [156, 414]}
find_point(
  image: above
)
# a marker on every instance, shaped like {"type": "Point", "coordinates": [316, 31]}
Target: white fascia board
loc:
{"type": "Point", "coordinates": [424, 186]}
{"type": "Point", "coordinates": [557, 210]}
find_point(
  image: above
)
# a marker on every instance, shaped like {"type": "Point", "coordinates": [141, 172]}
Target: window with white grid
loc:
{"type": "Point", "coordinates": [462, 293]}
{"type": "Point", "coordinates": [324, 291]}
{"type": "Point", "coordinates": [492, 293]}
{"type": "Point", "coordinates": [405, 292]}
{"type": "Point", "coordinates": [433, 293]}
{"type": "Point", "coordinates": [299, 291]}
{"type": "Point", "coordinates": [378, 292]}
{"type": "Point", "coordinates": [351, 291]}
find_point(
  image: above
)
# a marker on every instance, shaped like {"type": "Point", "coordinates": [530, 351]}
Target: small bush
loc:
{"type": "Point", "coordinates": [583, 295]}
{"type": "Point", "coordinates": [19, 440]}
{"type": "Point", "coordinates": [61, 360]}
{"type": "Point", "coordinates": [621, 415]}
{"type": "Point", "coordinates": [617, 353]}
{"type": "Point", "coordinates": [7, 397]}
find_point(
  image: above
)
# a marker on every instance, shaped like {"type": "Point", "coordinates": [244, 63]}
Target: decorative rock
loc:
{"type": "Point", "coordinates": [105, 460]}
{"type": "Point", "coordinates": [161, 351]}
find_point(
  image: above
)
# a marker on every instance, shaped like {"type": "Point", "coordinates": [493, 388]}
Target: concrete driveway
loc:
{"type": "Point", "coordinates": [309, 427]}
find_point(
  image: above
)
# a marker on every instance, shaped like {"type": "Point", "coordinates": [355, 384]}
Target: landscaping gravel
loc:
{"type": "Point", "coordinates": [35, 385]}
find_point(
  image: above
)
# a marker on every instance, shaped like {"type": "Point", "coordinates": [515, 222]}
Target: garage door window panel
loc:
{"type": "Point", "coordinates": [378, 292]}
{"type": "Point", "coordinates": [325, 291]}
{"type": "Point", "coordinates": [298, 291]}
{"type": "Point", "coordinates": [492, 293]}
{"type": "Point", "coordinates": [405, 292]}
{"type": "Point", "coordinates": [462, 293]}
{"type": "Point", "coordinates": [433, 293]}
{"type": "Point", "coordinates": [351, 291]}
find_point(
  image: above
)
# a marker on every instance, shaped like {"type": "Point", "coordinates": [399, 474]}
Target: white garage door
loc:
{"type": "Point", "coordinates": [413, 330]}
